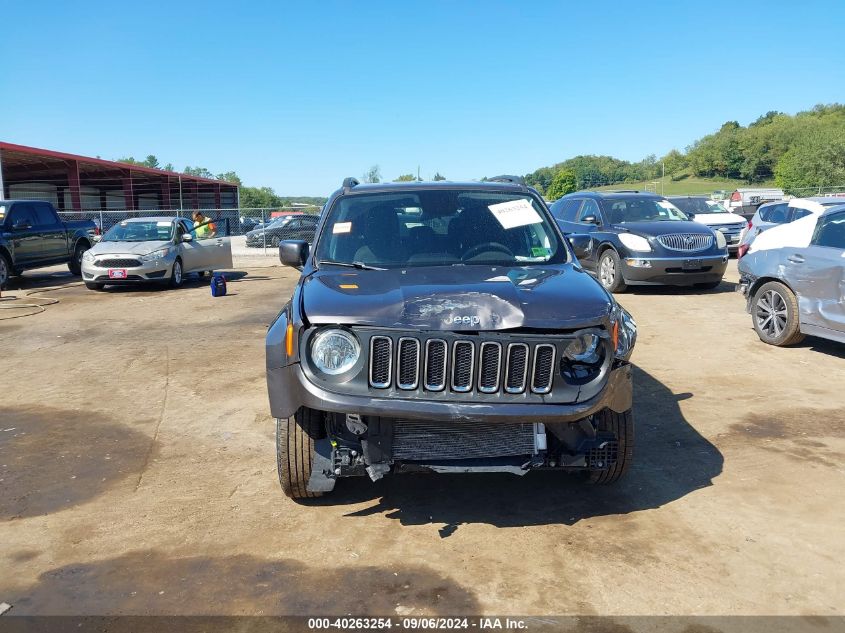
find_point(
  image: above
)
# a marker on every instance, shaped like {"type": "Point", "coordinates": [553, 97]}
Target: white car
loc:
{"type": "Point", "coordinates": [710, 212]}
{"type": "Point", "coordinates": [796, 231]}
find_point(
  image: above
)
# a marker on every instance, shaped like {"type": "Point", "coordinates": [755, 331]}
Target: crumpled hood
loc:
{"type": "Point", "coordinates": [716, 219]}
{"type": "Point", "coordinates": [456, 298]}
{"type": "Point", "coordinates": [128, 248]}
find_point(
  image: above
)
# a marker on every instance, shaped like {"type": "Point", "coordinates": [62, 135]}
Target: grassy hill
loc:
{"type": "Point", "coordinates": [690, 185]}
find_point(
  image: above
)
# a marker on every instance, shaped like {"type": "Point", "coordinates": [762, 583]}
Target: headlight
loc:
{"type": "Point", "coordinates": [87, 256]}
{"type": "Point", "coordinates": [159, 254]}
{"type": "Point", "coordinates": [624, 332]}
{"type": "Point", "coordinates": [721, 242]}
{"type": "Point", "coordinates": [334, 351]}
{"type": "Point", "coordinates": [635, 242]}
{"type": "Point", "coordinates": [584, 349]}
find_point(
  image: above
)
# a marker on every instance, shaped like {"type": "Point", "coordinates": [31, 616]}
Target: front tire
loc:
{"type": "Point", "coordinates": [6, 271]}
{"type": "Point", "coordinates": [774, 313]}
{"type": "Point", "coordinates": [75, 264]}
{"type": "Point", "coordinates": [610, 271]}
{"type": "Point", "coordinates": [295, 449]}
{"type": "Point", "coordinates": [176, 276]}
{"type": "Point", "coordinates": [622, 426]}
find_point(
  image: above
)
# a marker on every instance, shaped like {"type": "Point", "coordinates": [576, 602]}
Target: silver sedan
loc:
{"type": "Point", "coordinates": [797, 290]}
{"type": "Point", "coordinates": [154, 250]}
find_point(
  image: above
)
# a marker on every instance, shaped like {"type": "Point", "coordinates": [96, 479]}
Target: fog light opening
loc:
{"type": "Point", "coordinates": [638, 263]}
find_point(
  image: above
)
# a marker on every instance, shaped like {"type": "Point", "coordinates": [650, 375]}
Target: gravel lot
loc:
{"type": "Point", "coordinates": [137, 475]}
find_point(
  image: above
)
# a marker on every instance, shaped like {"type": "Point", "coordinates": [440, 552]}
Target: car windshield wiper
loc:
{"type": "Point", "coordinates": [358, 265]}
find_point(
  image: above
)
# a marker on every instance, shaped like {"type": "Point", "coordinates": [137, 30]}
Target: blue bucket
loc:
{"type": "Point", "coordinates": [218, 285]}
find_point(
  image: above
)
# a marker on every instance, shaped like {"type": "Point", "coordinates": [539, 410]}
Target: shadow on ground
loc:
{"type": "Point", "coordinates": [671, 460]}
{"type": "Point", "coordinates": [150, 582]}
{"type": "Point", "coordinates": [52, 459]}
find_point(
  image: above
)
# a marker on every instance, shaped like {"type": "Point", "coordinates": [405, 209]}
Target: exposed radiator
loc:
{"type": "Point", "coordinates": [419, 440]}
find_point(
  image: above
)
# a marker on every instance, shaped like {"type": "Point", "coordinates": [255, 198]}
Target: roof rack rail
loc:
{"type": "Point", "coordinates": [515, 180]}
{"type": "Point", "coordinates": [349, 182]}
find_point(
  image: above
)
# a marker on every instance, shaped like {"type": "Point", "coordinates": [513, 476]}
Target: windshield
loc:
{"type": "Point", "coordinates": [435, 228]}
{"type": "Point", "coordinates": [694, 206]}
{"type": "Point", "coordinates": [144, 231]}
{"type": "Point", "coordinates": [624, 210]}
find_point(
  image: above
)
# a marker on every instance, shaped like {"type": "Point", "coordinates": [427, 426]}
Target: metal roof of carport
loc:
{"type": "Point", "coordinates": [108, 164]}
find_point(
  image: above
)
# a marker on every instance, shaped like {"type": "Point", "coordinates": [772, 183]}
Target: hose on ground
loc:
{"type": "Point", "coordinates": [32, 308]}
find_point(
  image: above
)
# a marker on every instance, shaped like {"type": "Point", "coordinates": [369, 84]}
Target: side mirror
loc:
{"type": "Point", "coordinates": [187, 237]}
{"type": "Point", "coordinates": [293, 253]}
{"type": "Point", "coordinates": [590, 219]}
{"type": "Point", "coordinates": [581, 245]}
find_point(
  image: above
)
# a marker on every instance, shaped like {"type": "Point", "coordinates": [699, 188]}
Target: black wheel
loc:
{"type": "Point", "coordinates": [622, 426]}
{"type": "Point", "coordinates": [710, 285]}
{"type": "Point", "coordinates": [92, 285]}
{"type": "Point", "coordinates": [275, 242]}
{"type": "Point", "coordinates": [610, 271]}
{"type": "Point", "coordinates": [295, 438]}
{"type": "Point", "coordinates": [774, 312]}
{"type": "Point", "coordinates": [176, 277]}
{"type": "Point", "coordinates": [6, 271]}
{"type": "Point", "coordinates": [75, 264]}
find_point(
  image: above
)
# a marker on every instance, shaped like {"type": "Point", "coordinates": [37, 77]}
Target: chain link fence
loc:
{"type": "Point", "coordinates": [253, 231]}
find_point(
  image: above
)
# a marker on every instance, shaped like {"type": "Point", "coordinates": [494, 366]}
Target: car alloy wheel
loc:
{"type": "Point", "coordinates": [771, 313]}
{"type": "Point", "coordinates": [177, 272]}
{"type": "Point", "coordinates": [607, 272]}
{"type": "Point", "coordinates": [4, 271]}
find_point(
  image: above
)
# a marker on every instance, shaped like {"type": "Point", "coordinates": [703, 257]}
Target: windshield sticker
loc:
{"type": "Point", "coordinates": [162, 223]}
{"type": "Point", "coordinates": [342, 227]}
{"type": "Point", "coordinates": [515, 213]}
{"type": "Point", "coordinates": [538, 251]}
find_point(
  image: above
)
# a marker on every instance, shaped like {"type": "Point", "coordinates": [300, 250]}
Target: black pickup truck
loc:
{"type": "Point", "coordinates": [33, 236]}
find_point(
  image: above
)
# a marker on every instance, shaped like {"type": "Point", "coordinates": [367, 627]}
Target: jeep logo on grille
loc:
{"type": "Point", "coordinates": [462, 320]}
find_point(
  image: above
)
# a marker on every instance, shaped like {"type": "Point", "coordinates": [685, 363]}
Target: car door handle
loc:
{"type": "Point", "coordinates": [796, 259]}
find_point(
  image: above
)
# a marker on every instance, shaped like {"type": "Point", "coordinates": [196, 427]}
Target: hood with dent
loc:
{"type": "Point", "coordinates": [716, 219]}
{"type": "Point", "coordinates": [456, 298]}
{"type": "Point", "coordinates": [662, 228]}
{"type": "Point", "coordinates": [131, 248]}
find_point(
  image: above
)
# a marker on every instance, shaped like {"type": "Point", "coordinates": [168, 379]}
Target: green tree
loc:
{"type": "Point", "coordinates": [200, 172]}
{"type": "Point", "coordinates": [373, 174]}
{"type": "Point", "coordinates": [259, 198]}
{"type": "Point", "coordinates": [564, 182]}
{"type": "Point", "coordinates": [674, 162]}
{"type": "Point", "coordinates": [229, 176]}
{"type": "Point", "coordinates": [405, 178]}
{"type": "Point", "coordinates": [129, 160]}
{"type": "Point", "coordinates": [151, 161]}
{"type": "Point", "coordinates": [817, 160]}
{"type": "Point", "coordinates": [438, 176]}
{"type": "Point", "coordinates": [169, 167]}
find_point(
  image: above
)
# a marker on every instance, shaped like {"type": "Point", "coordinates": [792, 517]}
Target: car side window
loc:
{"type": "Point", "coordinates": [22, 213]}
{"type": "Point", "coordinates": [796, 213]}
{"type": "Point", "coordinates": [44, 214]}
{"type": "Point", "coordinates": [589, 208]}
{"type": "Point", "coordinates": [776, 214]}
{"type": "Point", "coordinates": [566, 209]}
{"type": "Point", "coordinates": [830, 231]}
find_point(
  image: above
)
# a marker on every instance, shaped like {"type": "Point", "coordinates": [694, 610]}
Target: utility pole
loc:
{"type": "Point", "coordinates": [663, 179]}
{"type": "Point", "coordinates": [418, 173]}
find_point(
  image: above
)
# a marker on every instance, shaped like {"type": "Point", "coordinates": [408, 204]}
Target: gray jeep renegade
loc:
{"type": "Point", "coordinates": [446, 327]}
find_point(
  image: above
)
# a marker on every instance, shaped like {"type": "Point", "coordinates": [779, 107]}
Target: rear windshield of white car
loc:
{"type": "Point", "coordinates": [144, 231]}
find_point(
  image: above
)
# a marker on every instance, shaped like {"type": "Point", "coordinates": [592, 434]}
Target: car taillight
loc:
{"type": "Point", "coordinates": [736, 196]}
{"type": "Point", "coordinates": [743, 249]}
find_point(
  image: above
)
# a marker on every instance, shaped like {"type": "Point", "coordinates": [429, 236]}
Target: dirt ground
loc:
{"type": "Point", "coordinates": [137, 476]}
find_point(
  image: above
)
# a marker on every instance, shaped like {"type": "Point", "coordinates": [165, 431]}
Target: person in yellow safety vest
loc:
{"type": "Point", "coordinates": [203, 227]}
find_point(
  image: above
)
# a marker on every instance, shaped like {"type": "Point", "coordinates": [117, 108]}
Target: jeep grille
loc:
{"type": "Point", "coordinates": [466, 365]}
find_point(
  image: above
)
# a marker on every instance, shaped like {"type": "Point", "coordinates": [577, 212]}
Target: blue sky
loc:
{"type": "Point", "coordinates": [297, 96]}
